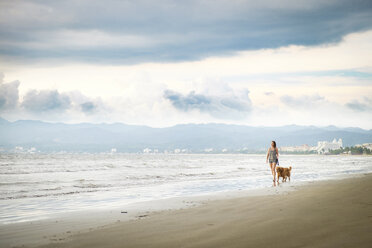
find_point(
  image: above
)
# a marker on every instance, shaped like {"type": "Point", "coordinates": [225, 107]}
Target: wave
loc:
{"type": "Point", "coordinates": [47, 195]}
{"type": "Point", "coordinates": [92, 185]}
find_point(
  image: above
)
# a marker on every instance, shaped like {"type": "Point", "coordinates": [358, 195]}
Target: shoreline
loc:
{"type": "Point", "coordinates": [176, 202]}
{"type": "Point", "coordinates": [71, 223]}
{"type": "Point", "coordinates": [71, 229]}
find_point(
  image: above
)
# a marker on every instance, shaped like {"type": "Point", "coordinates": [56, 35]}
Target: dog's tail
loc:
{"type": "Point", "coordinates": [290, 168]}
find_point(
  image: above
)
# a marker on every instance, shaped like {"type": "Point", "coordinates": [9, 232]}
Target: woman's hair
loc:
{"type": "Point", "coordinates": [274, 143]}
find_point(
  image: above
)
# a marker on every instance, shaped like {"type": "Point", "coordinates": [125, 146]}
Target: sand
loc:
{"type": "Point", "coordinates": [336, 213]}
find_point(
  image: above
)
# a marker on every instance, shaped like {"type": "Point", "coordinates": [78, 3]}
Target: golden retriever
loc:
{"type": "Point", "coordinates": [284, 173]}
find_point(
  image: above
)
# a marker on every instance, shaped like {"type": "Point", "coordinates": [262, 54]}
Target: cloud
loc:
{"type": "Point", "coordinates": [364, 106]}
{"type": "Point", "coordinates": [54, 101]}
{"type": "Point", "coordinates": [8, 94]}
{"type": "Point", "coordinates": [303, 100]}
{"type": "Point", "coordinates": [88, 107]}
{"type": "Point", "coordinates": [46, 100]}
{"type": "Point", "coordinates": [269, 93]}
{"type": "Point", "coordinates": [147, 31]}
{"type": "Point", "coordinates": [191, 101]}
{"type": "Point", "coordinates": [85, 104]}
{"type": "Point", "coordinates": [226, 107]}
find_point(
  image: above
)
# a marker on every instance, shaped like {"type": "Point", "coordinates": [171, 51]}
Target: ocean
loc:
{"type": "Point", "coordinates": [35, 186]}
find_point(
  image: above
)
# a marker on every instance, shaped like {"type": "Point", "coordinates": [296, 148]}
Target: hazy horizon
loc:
{"type": "Point", "coordinates": [120, 137]}
{"type": "Point", "coordinates": [185, 123]}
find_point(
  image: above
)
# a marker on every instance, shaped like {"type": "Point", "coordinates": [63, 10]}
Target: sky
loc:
{"type": "Point", "coordinates": [162, 63]}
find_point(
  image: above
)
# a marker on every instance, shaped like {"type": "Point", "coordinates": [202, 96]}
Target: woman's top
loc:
{"type": "Point", "coordinates": [272, 155]}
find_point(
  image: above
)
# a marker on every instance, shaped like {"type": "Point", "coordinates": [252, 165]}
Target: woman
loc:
{"type": "Point", "coordinates": [272, 157]}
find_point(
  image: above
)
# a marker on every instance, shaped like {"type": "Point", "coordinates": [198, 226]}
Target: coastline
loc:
{"type": "Point", "coordinates": [316, 212]}
{"type": "Point", "coordinates": [61, 226]}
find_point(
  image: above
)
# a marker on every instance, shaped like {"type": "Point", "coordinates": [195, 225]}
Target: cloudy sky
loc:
{"type": "Point", "coordinates": [161, 63]}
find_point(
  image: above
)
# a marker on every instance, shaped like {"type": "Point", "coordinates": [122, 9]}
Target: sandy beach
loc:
{"type": "Point", "coordinates": [336, 213]}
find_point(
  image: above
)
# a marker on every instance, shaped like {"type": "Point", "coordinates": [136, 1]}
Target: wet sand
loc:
{"type": "Point", "coordinates": [336, 213]}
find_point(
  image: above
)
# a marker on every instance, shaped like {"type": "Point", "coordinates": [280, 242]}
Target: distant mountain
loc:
{"type": "Point", "coordinates": [87, 137]}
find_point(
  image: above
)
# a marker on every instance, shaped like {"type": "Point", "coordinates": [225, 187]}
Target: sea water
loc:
{"type": "Point", "coordinates": [33, 186]}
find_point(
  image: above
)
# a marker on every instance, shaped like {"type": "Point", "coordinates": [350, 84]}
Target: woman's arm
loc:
{"type": "Point", "coordinates": [277, 152]}
{"type": "Point", "coordinates": [267, 156]}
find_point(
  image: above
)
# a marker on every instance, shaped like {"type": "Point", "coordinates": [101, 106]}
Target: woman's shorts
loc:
{"type": "Point", "coordinates": [273, 161]}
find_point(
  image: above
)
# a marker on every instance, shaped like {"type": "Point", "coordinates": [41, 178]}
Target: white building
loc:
{"type": "Point", "coordinates": [208, 150]}
{"type": "Point", "coordinates": [18, 149]}
{"type": "Point", "coordinates": [365, 145]}
{"type": "Point", "coordinates": [325, 146]}
{"type": "Point", "coordinates": [301, 148]}
{"type": "Point", "coordinates": [146, 150]}
{"type": "Point", "coordinates": [32, 150]}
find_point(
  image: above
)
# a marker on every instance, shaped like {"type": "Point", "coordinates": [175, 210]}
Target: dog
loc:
{"type": "Point", "coordinates": [284, 173]}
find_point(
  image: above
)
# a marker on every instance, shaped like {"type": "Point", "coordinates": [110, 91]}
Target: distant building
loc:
{"type": "Point", "coordinates": [146, 150]}
{"type": "Point", "coordinates": [32, 150]}
{"type": "Point", "coordinates": [18, 149]}
{"type": "Point", "coordinates": [301, 148]}
{"type": "Point", "coordinates": [321, 148]}
{"type": "Point", "coordinates": [325, 146]}
{"type": "Point", "coordinates": [365, 145]}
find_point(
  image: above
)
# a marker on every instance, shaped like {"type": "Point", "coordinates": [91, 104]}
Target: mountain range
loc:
{"type": "Point", "coordinates": [88, 137]}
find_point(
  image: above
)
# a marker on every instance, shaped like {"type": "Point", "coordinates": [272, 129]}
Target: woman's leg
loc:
{"type": "Point", "coordinates": [272, 166]}
{"type": "Point", "coordinates": [274, 170]}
